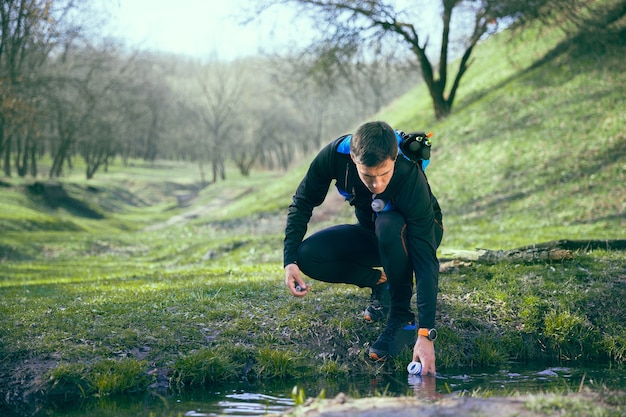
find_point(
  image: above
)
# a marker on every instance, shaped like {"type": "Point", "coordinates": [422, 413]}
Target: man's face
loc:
{"type": "Point", "coordinates": [376, 178]}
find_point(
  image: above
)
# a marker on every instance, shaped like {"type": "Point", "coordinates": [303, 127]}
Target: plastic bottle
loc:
{"type": "Point", "coordinates": [414, 368]}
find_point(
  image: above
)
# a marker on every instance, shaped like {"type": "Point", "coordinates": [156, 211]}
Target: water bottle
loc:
{"type": "Point", "coordinates": [414, 368]}
{"type": "Point", "coordinates": [378, 205]}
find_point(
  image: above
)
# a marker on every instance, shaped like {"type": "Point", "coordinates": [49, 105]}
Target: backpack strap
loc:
{"type": "Point", "coordinates": [344, 149]}
{"type": "Point", "coordinates": [344, 145]}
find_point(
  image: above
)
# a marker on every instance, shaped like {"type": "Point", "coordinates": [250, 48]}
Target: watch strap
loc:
{"type": "Point", "coordinates": [431, 334]}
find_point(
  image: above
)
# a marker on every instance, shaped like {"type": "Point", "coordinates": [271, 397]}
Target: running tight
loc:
{"type": "Point", "coordinates": [348, 254]}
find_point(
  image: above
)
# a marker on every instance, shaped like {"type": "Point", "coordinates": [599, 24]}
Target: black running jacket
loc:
{"type": "Point", "coordinates": [408, 192]}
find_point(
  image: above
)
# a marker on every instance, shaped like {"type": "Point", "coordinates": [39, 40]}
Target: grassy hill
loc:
{"type": "Point", "coordinates": [536, 148]}
{"type": "Point", "coordinates": [109, 285]}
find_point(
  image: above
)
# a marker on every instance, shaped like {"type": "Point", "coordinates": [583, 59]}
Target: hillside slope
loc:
{"type": "Point", "coordinates": [535, 149]}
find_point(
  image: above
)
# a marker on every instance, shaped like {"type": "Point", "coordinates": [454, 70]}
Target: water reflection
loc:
{"type": "Point", "coordinates": [424, 387]}
{"type": "Point", "coordinates": [241, 400]}
{"type": "Point", "coordinates": [254, 404]}
{"type": "Point", "coordinates": [506, 381]}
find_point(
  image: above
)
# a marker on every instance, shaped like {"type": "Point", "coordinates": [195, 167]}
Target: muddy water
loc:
{"type": "Point", "coordinates": [246, 400]}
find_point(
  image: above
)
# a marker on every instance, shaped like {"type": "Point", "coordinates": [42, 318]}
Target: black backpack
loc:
{"type": "Point", "coordinates": [416, 147]}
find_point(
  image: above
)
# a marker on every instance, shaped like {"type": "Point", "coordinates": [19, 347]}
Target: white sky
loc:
{"type": "Point", "coordinates": [201, 28]}
{"type": "Point", "coordinates": [212, 28]}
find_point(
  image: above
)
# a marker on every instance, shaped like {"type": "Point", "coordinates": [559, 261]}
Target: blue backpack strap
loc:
{"type": "Point", "coordinates": [344, 149]}
{"type": "Point", "coordinates": [344, 145]}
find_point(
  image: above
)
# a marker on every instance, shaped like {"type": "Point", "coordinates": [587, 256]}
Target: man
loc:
{"type": "Point", "coordinates": [399, 228]}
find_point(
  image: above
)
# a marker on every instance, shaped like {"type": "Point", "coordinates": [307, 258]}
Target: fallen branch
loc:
{"type": "Point", "coordinates": [554, 251]}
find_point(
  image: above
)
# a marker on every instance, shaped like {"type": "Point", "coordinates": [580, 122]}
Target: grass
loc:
{"type": "Point", "coordinates": [568, 405]}
{"type": "Point", "coordinates": [118, 289]}
{"type": "Point", "coordinates": [537, 312]}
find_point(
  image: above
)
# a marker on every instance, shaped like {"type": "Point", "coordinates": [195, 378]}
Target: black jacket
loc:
{"type": "Point", "coordinates": [408, 191]}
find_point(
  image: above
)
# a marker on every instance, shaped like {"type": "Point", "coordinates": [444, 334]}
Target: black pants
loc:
{"type": "Point", "coordinates": [348, 253]}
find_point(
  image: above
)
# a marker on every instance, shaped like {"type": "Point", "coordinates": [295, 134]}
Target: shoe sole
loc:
{"type": "Point", "coordinates": [371, 317]}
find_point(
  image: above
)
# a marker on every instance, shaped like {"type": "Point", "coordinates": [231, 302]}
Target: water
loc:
{"type": "Point", "coordinates": [245, 400]}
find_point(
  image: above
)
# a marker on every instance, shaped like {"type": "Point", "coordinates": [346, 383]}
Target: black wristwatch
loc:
{"type": "Point", "coordinates": [431, 334]}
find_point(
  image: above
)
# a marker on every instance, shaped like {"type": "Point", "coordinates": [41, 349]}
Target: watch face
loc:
{"type": "Point", "coordinates": [432, 334]}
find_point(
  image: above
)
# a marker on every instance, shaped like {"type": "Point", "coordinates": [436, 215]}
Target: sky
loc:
{"type": "Point", "coordinates": [202, 28]}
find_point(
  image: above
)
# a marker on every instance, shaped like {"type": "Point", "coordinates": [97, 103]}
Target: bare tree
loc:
{"type": "Point", "coordinates": [373, 78]}
{"type": "Point", "coordinates": [31, 31]}
{"type": "Point", "coordinates": [145, 101]}
{"type": "Point", "coordinates": [220, 98]}
{"type": "Point", "coordinates": [325, 106]}
{"type": "Point", "coordinates": [87, 96]}
{"type": "Point", "coordinates": [351, 25]}
{"type": "Point", "coordinates": [270, 136]}
{"type": "Point", "coordinates": [28, 32]}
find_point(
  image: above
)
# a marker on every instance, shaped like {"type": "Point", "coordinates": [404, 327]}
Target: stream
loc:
{"type": "Point", "coordinates": [244, 400]}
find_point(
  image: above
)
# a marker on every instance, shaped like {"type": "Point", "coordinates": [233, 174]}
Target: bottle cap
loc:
{"type": "Point", "coordinates": [378, 205]}
{"type": "Point", "coordinates": [414, 368]}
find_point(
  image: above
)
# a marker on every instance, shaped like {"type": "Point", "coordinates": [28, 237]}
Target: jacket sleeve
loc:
{"type": "Point", "coordinates": [415, 203]}
{"type": "Point", "coordinates": [310, 193]}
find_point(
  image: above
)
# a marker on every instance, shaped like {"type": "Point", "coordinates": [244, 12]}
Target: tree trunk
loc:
{"type": "Point", "coordinates": [440, 105]}
{"type": "Point", "coordinates": [57, 162]}
{"type": "Point", "coordinates": [21, 159]}
{"type": "Point", "coordinates": [202, 174]}
{"type": "Point", "coordinates": [7, 157]}
{"type": "Point", "coordinates": [33, 161]}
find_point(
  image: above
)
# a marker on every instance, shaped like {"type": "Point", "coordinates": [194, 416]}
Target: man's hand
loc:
{"type": "Point", "coordinates": [294, 281]}
{"type": "Point", "coordinates": [424, 352]}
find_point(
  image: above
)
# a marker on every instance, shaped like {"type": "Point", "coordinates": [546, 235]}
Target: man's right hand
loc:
{"type": "Point", "coordinates": [424, 352]}
{"type": "Point", "coordinates": [294, 281]}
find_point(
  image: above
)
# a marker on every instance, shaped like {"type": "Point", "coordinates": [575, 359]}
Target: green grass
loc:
{"type": "Point", "coordinates": [569, 405]}
{"type": "Point", "coordinates": [539, 311]}
{"type": "Point", "coordinates": [132, 289]}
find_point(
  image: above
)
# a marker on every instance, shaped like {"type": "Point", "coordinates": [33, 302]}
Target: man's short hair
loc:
{"type": "Point", "coordinates": [373, 143]}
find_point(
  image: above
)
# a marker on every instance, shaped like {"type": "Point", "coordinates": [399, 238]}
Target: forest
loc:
{"type": "Point", "coordinates": [68, 93]}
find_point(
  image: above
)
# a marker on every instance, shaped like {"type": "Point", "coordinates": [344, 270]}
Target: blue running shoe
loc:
{"type": "Point", "coordinates": [397, 335]}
